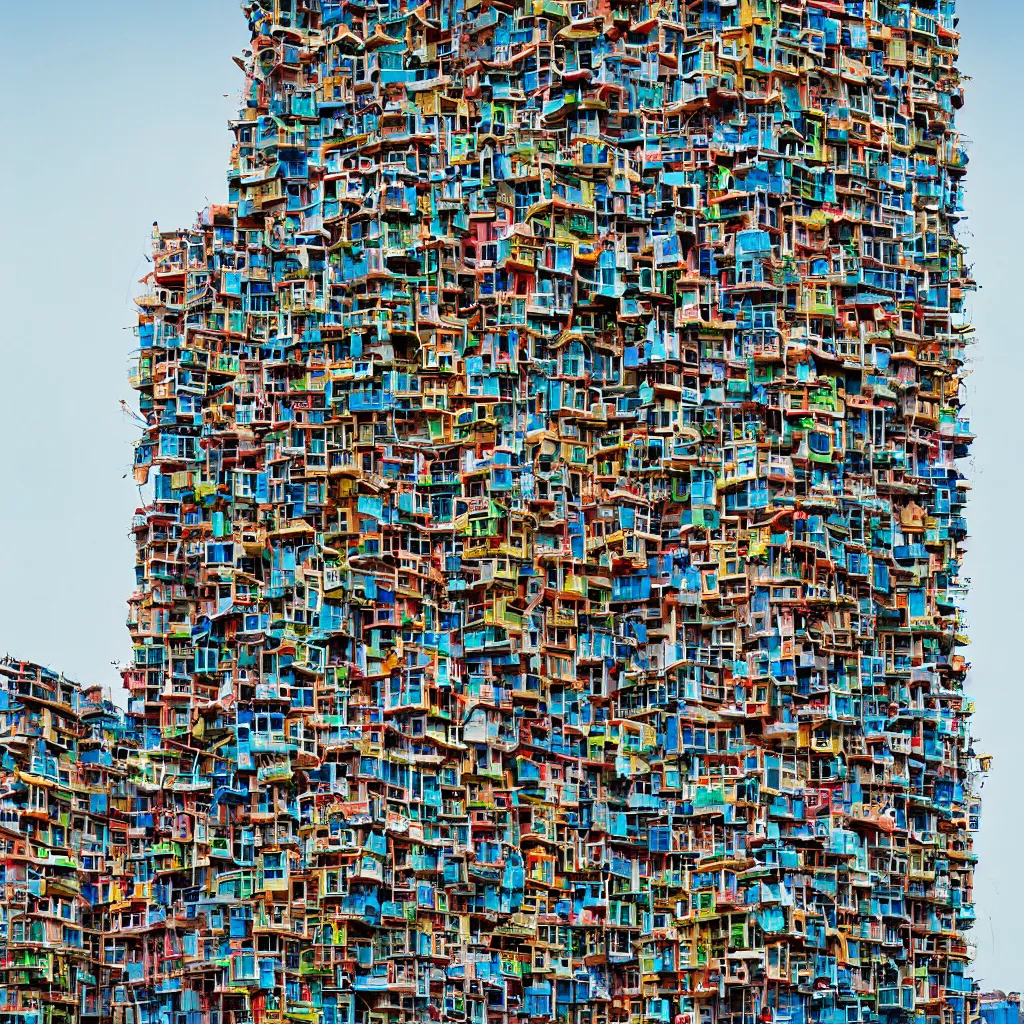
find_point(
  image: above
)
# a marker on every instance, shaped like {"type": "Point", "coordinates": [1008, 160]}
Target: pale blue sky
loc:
{"type": "Point", "coordinates": [114, 116]}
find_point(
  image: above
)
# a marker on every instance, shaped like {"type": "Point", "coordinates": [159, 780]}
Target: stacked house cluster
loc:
{"type": "Point", "coordinates": [547, 601]}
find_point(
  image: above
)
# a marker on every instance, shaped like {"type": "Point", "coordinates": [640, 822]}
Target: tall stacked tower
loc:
{"type": "Point", "coordinates": [548, 599]}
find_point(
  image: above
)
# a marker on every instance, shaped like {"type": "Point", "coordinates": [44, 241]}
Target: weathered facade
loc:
{"type": "Point", "coordinates": [548, 602]}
